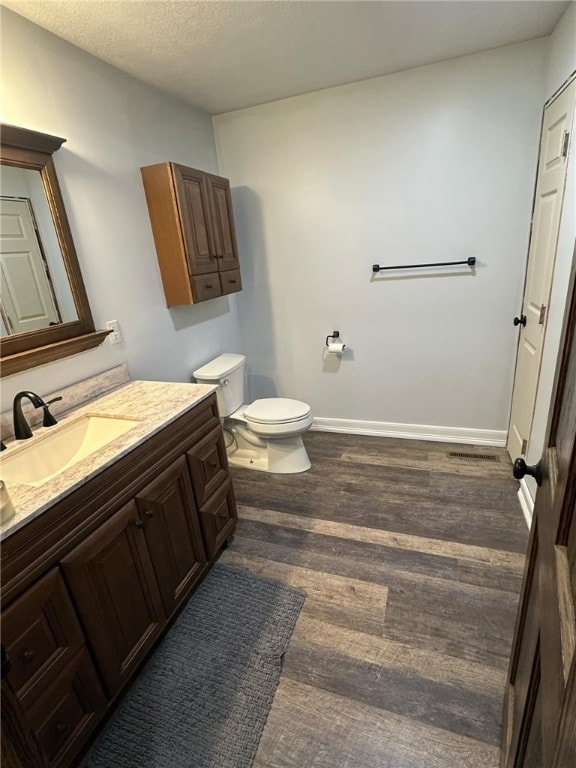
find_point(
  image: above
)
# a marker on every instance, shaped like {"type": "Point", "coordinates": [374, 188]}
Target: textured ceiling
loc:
{"type": "Point", "coordinates": [221, 56]}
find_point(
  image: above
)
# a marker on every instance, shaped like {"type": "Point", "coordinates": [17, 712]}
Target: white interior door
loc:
{"type": "Point", "coordinates": [550, 182]}
{"type": "Point", "coordinates": [27, 300]}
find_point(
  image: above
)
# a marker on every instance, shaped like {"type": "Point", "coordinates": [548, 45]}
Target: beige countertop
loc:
{"type": "Point", "coordinates": [153, 403]}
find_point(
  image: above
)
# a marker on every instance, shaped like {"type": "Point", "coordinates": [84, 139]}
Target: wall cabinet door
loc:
{"type": "Point", "coordinates": [194, 208]}
{"type": "Point", "coordinates": [224, 233]}
{"type": "Point", "coordinates": [111, 578]}
{"type": "Point", "coordinates": [172, 533]}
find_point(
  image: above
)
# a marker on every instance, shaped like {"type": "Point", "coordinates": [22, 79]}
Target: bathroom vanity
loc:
{"type": "Point", "coordinates": [102, 557]}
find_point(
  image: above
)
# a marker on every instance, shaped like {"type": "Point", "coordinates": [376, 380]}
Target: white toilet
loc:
{"type": "Point", "coordinates": [265, 435]}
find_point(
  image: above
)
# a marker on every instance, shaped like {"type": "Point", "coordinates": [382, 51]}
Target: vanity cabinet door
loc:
{"type": "Point", "coordinates": [41, 634]}
{"type": "Point", "coordinates": [67, 711]}
{"type": "Point", "coordinates": [218, 517]}
{"type": "Point", "coordinates": [208, 464]}
{"type": "Point", "coordinates": [172, 533]}
{"type": "Point", "coordinates": [223, 231]}
{"type": "Point", "coordinates": [111, 578]}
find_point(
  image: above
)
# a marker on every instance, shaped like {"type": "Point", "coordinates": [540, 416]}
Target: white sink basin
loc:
{"type": "Point", "coordinates": [51, 453]}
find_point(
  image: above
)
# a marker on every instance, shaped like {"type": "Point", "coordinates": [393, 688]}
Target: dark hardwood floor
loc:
{"type": "Point", "coordinates": [412, 562]}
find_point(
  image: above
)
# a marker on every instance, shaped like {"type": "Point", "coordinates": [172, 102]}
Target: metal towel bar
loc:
{"type": "Point", "coordinates": [469, 262]}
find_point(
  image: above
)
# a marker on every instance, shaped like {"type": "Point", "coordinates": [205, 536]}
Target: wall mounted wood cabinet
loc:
{"type": "Point", "coordinates": [193, 227]}
{"type": "Point", "coordinates": [90, 585]}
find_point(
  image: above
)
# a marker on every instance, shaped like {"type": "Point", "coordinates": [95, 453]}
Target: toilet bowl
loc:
{"type": "Point", "coordinates": [264, 435]}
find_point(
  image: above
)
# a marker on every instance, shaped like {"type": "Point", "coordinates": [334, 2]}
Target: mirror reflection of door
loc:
{"type": "Point", "coordinates": [28, 301]}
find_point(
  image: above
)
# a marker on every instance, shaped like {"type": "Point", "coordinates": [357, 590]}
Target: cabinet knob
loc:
{"type": "Point", "coordinates": [28, 656]}
{"type": "Point", "coordinates": [60, 729]}
{"type": "Point", "coordinates": [212, 464]}
{"type": "Point", "coordinates": [232, 281]}
{"type": "Point", "coordinates": [149, 512]}
{"type": "Point", "coordinates": [223, 515]}
{"type": "Point", "coordinates": [138, 523]}
{"type": "Point", "coordinates": [208, 285]}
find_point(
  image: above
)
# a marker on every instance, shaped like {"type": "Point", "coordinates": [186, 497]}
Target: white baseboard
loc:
{"type": "Point", "coordinates": [526, 502]}
{"type": "Point", "coordinates": [496, 438]}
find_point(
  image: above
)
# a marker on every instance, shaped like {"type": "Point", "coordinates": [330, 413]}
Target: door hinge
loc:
{"type": "Point", "coordinates": [524, 446]}
{"type": "Point", "coordinates": [542, 315]}
{"type": "Point", "coordinates": [565, 142]}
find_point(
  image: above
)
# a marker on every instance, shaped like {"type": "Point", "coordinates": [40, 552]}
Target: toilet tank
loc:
{"type": "Point", "coordinates": [227, 371]}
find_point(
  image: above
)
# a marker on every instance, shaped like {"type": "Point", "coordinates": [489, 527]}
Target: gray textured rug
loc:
{"type": "Point", "coordinates": [203, 698]}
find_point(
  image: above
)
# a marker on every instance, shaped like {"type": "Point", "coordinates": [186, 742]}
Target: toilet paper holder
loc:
{"type": "Point", "coordinates": [334, 336]}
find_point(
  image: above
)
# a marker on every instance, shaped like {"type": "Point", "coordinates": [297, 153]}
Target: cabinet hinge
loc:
{"type": "Point", "coordinates": [565, 142]}
{"type": "Point", "coordinates": [524, 446]}
{"type": "Point", "coordinates": [542, 315]}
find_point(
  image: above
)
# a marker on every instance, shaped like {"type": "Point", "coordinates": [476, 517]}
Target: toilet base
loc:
{"type": "Point", "coordinates": [285, 456]}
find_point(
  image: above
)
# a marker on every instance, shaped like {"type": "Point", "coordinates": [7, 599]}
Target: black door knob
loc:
{"type": "Point", "coordinates": [521, 469]}
{"type": "Point", "coordinates": [520, 320]}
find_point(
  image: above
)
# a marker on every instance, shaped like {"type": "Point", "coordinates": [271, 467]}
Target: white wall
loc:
{"type": "Point", "coordinates": [113, 125]}
{"type": "Point", "coordinates": [561, 64]}
{"type": "Point", "coordinates": [430, 164]}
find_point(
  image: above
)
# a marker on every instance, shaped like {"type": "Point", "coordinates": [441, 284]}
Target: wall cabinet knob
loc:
{"type": "Point", "coordinates": [138, 523]}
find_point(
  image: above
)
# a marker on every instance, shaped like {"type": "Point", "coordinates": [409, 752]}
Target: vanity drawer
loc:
{"type": "Point", "coordinates": [230, 281]}
{"type": "Point", "coordinates": [208, 464]}
{"type": "Point", "coordinates": [218, 518]}
{"type": "Point", "coordinates": [66, 712]}
{"type": "Point", "coordinates": [41, 635]}
{"type": "Point", "coordinates": [206, 287]}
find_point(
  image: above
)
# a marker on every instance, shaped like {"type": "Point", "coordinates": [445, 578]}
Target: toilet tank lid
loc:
{"type": "Point", "coordinates": [219, 367]}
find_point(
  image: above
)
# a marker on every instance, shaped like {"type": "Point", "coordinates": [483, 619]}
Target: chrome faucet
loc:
{"type": "Point", "coordinates": [22, 429]}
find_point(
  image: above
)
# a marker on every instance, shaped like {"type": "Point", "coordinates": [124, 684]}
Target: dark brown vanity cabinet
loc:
{"type": "Point", "coordinates": [112, 581]}
{"type": "Point", "coordinates": [89, 586]}
{"type": "Point", "coordinates": [51, 671]}
{"type": "Point", "coordinates": [193, 227]}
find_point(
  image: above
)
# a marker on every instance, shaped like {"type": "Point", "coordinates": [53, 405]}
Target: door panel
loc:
{"type": "Point", "coordinates": [27, 300]}
{"type": "Point", "coordinates": [552, 164]}
{"type": "Point", "coordinates": [540, 706]}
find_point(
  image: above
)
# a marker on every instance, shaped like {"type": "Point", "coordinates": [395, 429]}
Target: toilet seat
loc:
{"type": "Point", "coordinates": [276, 410]}
{"type": "Point", "coordinates": [275, 417]}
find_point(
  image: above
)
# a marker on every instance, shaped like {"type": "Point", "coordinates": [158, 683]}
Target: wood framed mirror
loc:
{"type": "Point", "coordinates": [44, 309]}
